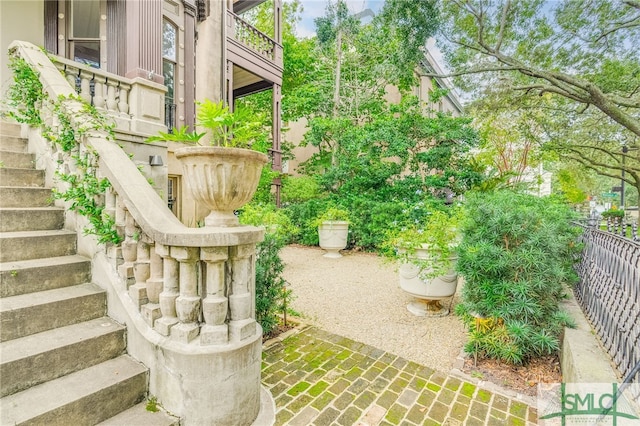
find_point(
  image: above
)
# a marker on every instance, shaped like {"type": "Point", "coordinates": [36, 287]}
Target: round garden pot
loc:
{"type": "Point", "coordinates": [333, 237]}
{"type": "Point", "coordinates": [222, 179]}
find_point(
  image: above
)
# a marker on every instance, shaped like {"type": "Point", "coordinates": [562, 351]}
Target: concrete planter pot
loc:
{"type": "Point", "coordinates": [222, 179]}
{"type": "Point", "coordinates": [429, 291]}
{"type": "Point", "coordinates": [333, 237]}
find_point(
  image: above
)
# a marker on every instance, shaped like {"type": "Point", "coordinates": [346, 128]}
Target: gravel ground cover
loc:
{"type": "Point", "coordinates": [358, 296]}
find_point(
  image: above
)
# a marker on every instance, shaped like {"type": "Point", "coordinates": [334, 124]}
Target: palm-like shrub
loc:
{"type": "Point", "coordinates": [516, 256]}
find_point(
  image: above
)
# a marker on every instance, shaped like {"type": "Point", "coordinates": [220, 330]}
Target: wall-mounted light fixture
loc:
{"type": "Point", "coordinates": [155, 160]}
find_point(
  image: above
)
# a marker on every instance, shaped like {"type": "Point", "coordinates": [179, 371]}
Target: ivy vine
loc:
{"type": "Point", "coordinates": [85, 189]}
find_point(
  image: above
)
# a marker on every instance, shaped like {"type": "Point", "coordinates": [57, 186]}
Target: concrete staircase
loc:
{"type": "Point", "coordinates": [62, 360]}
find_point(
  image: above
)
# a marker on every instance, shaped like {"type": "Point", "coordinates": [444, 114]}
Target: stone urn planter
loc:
{"type": "Point", "coordinates": [429, 291]}
{"type": "Point", "coordinates": [333, 237]}
{"type": "Point", "coordinates": [221, 178]}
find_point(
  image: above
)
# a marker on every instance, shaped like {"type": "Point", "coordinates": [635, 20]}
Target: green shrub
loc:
{"type": "Point", "coordinates": [272, 295]}
{"type": "Point", "coordinates": [25, 93]}
{"type": "Point", "coordinates": [298, 189]}
{"type": "Point", "coordinates": [516, 256]}
{"type": "Point", "coordinates": [613, 214]}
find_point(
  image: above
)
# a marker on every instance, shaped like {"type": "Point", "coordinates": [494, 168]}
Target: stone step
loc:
{"type": "Point", "coordinates": [33, 313]}
{"type": "Point", "coordinates": [14, 219]}
{"type": "Point", "coordinates": [85, 397]}
{"type": "Point", "coordinates": [45, 356]}
{"type": "Point", "coordinates": [25, 197]}
{"type": "Point", "coordinates": [9, 128]}
{"type": "Point", "coordinates": [138, 415]}
{"type": "Point", "coordinates": [21, 177]}
{"type": "Point", "coordinates": [23, 245]}
{"type": "Point", "coordinates": [17, 160]}
{"type": "Point", "coordinates": [29, 276]}
{"type": "Point", "coordinates": [13, 143]}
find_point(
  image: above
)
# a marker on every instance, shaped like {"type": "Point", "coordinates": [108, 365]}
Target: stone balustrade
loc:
{"type": "Point", "coordinates": [134, 105]}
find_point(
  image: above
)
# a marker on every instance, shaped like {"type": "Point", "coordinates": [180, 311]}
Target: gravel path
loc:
{"type": "Point", "coordinates": [358, 296]}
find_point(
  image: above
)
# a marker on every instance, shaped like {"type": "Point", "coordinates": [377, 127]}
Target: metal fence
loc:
{"type": "Point", "coordinates": [609, 293]}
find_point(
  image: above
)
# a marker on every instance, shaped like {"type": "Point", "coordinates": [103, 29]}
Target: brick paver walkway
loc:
{"type": "Point", "coordinates": [319, 378]}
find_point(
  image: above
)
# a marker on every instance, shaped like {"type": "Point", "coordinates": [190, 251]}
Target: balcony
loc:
{"type": "Point", "coordinates": [256, 56]}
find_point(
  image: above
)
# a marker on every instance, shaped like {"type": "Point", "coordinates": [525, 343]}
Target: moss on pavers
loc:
{"type": "Point", "coordinates": [372, 373]}
{"type": "Point", "coordinates": [358, 386]}
{"type": "Point", "coordinates": [497, 414]}
{"type": "Point", "coordinates": [283, 399]}
{"type": "Point", "coordinates": [518, 409]}
{"type": "Point", "coordinates": [353, 374]}
{"type": "Point", "coordinates": [452, 384]}
{"type": "Point", "coordinates": [500, 403]}
{"type": "Point", "coordinates": [426, 398]}
{"type": "Point", "coordinates": [418, 384]}
{"type": "Point", "coordinates": [515, 421]}
{"type": "Point", "coordinates": [347, 364]}
{"type": "Point", "coordinates": [398, 385]}
{"type": "Point", "coordinates": [468, 389]}
{"type": "Point", "coordinates": [326, 417]}
{"type": "Point", "coordinates": [434, 387]}
{"type": "Point", "coordinates": [446, 396]}
{"type": "Point", "coordinates": [298, 388]}
{"type": "Point", "coordinates": [484, 396]}
{"type": "Point", "coordinates": [297, 404]}
{"type": "Point", "coordinates": [459, 411]}
{"type": "Point", "coordinates": [417, 414]}
{"type": "Point", "coordinates": [318, 388]}
{"type": "Point", "coordinates": [379, 384]}
{"type": "Point", "coordinates": [344, 400]}
{"type": "Point", "coordinates": [283, 417]}
{"type": "Point", "coordinates": [390, 373]}
{"type": "Point", "coordinates": [278, 389]}
{"type": "Point", "coordinates": [479, 409]}
{"type": "Point", "coordinates": [387, 399]}
{"type": "Point", "coordinates": [339, 386]}
{"type": "Point", "coordinates": [350, 416]}
{"type": "Point", "coordinates": [323, 400]}
{"type": "Point", "coordinates": [395, 414]}
{"type": "Point", "coordinates": [532, 415]}
{"type": "Point", "coordinates": [431, 422]}
{"type": "Point", "coordinates": [438, 411]}
{"type": "Point", "coordinates": [315, 375]}
{"type": "Point", "coordinates": [364, 400]}
{"type": "Point", "coordinates": [355, 377]}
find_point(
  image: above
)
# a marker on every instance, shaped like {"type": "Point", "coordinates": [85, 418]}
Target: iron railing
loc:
{"type": "Point", "coordinates": [609, 293]}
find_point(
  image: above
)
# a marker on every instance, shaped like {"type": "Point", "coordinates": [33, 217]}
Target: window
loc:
{"type": "Point", "coordinates": [173, 198]}
{"type": "Point", "coordinates": [84, 32]}
{"type": "Point", "coordinates": [169, 60]}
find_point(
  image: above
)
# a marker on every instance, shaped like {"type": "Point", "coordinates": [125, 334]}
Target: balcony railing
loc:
{"type": "Point", "coordinates": [244, 33]}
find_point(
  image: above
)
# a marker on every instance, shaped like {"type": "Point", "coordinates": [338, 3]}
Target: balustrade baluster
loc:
{"type": "Point", "coordinates": [85, 86]}
{"type": "Point", "coordinates": [129, 250]}
{"type": "Point", "coordinates": [112, 103]}
{"type": "Point", "coordinates": [151, 311]}
{"type": "Point", "coordinates": [99, 98]}
{"type": "Point", "coordinates": [215, 305]}
{"type": "Point", "coordinates": [123, 102]}
{"type": "Point", "coordinates": [169, 294]}
{"type": "Point", "coordinates": [188, 303]}
{"type": "Point", "coordinates": [242, 292]}
{"type": "Point", "coordinates": [141, 272]}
